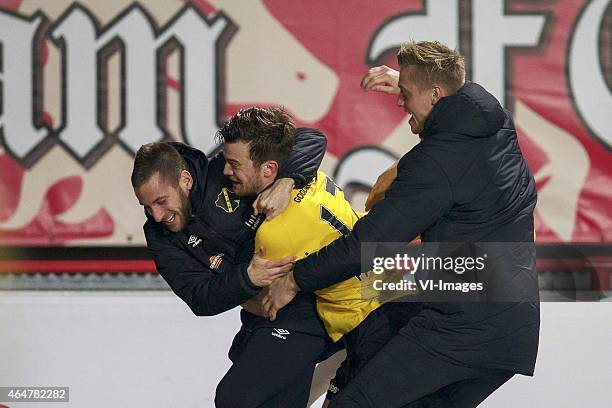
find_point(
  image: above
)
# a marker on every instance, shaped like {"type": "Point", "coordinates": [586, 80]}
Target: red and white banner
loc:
{"type": "Point", "coordinates": [84, 84]}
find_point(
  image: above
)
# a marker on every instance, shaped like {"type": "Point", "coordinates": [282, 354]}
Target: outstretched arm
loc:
{"type": "Point", "coordinates": [212, 289]}
{"type": "Point", "coordinates": [417, 198]}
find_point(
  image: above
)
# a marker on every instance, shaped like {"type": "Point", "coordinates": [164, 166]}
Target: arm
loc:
{"type": "Point", "coordinates": [254, 304]}
{"type": "Point", "coordinates": [381, 186]}
{"type": "Point", "coordinates": [381, 79]}
{"type": "Point", "coordinates": [208, 291]}
{"type": "Point", "coordinates": [418, 197]}
{"type": "Point", "coordinates": [306, 156]}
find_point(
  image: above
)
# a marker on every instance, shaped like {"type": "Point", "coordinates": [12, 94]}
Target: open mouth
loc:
{"type": "Point", "coordinates": [171, 219]}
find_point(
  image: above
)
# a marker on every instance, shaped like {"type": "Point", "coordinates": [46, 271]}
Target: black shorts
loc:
{"type": "Point", "coordinates": [273, 362]}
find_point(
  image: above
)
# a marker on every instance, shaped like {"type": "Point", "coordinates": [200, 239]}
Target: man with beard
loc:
{"type": "Point", "coordinates": [316, 215]}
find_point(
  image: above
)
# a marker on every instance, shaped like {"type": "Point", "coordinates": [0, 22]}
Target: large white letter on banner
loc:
{"type": "Point", "coordinates": [591, 94]}
{"type": "Point", "coordinates": [135, 31]}
{"type": "Point", "coordinates": [350, 170]}
{"type": "Point", "coordinates": [17, 120]}
{"type": "Point", "coordinates": [199, 41]}
{"type": "Point", "coordinates": [76, 35]}
{"type": "Point", "coordinates": [492, 32]}
{"type": "Point", "coordinates": [441, 14]}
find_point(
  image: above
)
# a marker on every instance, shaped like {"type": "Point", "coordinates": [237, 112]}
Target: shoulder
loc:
{"type": "Point", "coordinates": [426, 154]}
{"type": "Point", "coordinates": [423, 168]}
{"type": "Point", "coordinates": [156, 235]}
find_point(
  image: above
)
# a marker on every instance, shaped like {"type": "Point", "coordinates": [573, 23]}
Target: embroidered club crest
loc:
{"type": "Point", "coordinates": [227, 200]}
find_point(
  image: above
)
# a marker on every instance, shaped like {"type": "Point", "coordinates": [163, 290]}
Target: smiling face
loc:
{"type": "Point", "coordinates": [168, 204]}
{"type": "Point", "coordinates": [416, 101]}
{"type": "Point", "coordinates": [247, 178]}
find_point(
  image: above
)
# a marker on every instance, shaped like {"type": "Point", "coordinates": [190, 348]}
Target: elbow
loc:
{"type": "Point", "coordinates": [314, 137]}
{"type": "Point", "coordinates": [201, 307]}
{"type": "Point", "coordinates": [205, 310]}
{"type": "Point", "coordinates": [321, 139]}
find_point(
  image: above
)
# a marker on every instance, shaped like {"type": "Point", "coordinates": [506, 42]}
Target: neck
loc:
{"type": "Point", "coordinates": [265, 186]}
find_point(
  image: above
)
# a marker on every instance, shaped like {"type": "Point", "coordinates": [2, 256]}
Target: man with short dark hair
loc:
{"type": "Point", "coordinates": [316, 215]}
{"type": "Point", "coordinates": [273, 362]}
{"type": "Point", "coordinates": [263, 141]}
{"type": "Point", "coordinates": [465, 182]}
{"type": "Point", "coordinates": [159, 164]}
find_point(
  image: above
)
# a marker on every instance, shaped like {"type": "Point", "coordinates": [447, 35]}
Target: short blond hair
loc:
{"type": "Point", "coordinates": [435, 63]}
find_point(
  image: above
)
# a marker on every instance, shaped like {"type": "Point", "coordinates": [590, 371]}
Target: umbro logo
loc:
{"type": "Point", "coordinates": [281, 333]}
{"type": "Point", "coordinates": [194, 240]}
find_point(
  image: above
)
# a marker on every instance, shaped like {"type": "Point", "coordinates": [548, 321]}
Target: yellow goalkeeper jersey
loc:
{"type": "Point", "coordinates": [317, 215]}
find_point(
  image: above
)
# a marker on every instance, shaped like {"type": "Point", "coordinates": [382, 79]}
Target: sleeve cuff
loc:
{"type": "Point", "coordinates": [248, 285]}
{"type": "Point", "coordinates": [300, 181]}
{"type": "Point", "coordinates": [297, 276]}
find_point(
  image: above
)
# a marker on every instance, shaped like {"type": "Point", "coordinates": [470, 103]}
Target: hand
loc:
{"type": "Point", "coordinates": [381, 79]}
{"type": "Point", "coordinates": [255, 304]}
{"type": "Point", "coordinates": [275, 199]}
{"type": "Point", "coordinates": [263, 271]}
{"type": "Point", "coordinates": [381, 186]}
{"type": "Point", "coordinates": [280, 293]}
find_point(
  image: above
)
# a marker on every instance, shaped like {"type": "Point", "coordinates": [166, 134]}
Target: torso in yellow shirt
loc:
{"type": "Point", "coordinates": [317, 215]}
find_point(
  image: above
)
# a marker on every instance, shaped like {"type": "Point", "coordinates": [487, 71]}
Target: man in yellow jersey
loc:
{"type": "Point", "coordinates": [316, 215]}
{"type": "Point", "coordinates": [266, 371]}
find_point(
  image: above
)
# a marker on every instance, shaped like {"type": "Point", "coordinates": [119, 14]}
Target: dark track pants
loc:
{"type": "Point", "coordinates": [270, 371]}
{"type": "Point", "coordinates": [365, 341]}
{"type": "Point", "coordinates": [403, 374]}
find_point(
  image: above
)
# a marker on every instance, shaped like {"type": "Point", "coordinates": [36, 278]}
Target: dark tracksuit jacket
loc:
{"type": "Point", "coordinates": [205, 264]}
{"type": "Point", "coordinates": [467, 181]}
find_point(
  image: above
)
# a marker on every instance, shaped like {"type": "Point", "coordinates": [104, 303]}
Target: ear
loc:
{"type": "Point", "coordinates": [437, 93]}
{"type": "Point", "coordinates": [270, 169]}
{"type": "Point", "coordinates": [186, 181]}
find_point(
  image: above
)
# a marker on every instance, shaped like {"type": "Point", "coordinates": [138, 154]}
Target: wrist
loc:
{"type": "Point", "coordinates": [298, 180]}
{"type": "Point", "coordinates": [249, 276]}
{"type": "Point", "coordinates": [292, 283]}
{"type": "Point", "coordinates": [287, 182]}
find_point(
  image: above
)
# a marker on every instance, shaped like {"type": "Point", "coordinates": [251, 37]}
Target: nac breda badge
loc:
{"type": "Point", "coordinates": [227, 200]}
